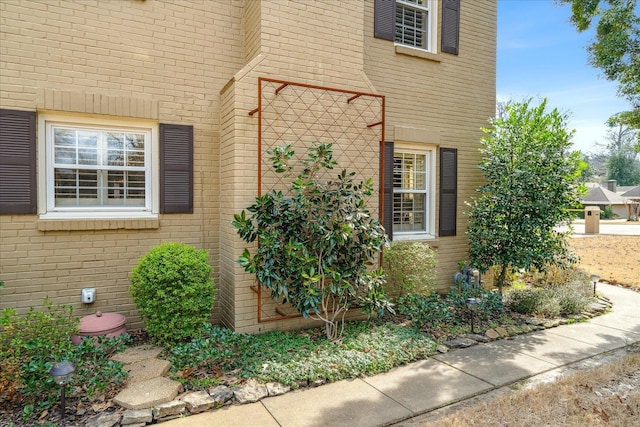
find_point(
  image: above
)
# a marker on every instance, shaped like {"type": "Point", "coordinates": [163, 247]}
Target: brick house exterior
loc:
{"type": "Point", "coordinates": [129, 123]}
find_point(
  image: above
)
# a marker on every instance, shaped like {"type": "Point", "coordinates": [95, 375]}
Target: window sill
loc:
{"type": "Point", "coordinates": [419, 53]}
{"type": "Point", "coordinates": [72, 224]}
{"type": "Point", "coordinates": [424, 237]}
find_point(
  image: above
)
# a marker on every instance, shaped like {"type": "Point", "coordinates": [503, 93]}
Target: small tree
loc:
{"type": "Point", "coordinates": [315, 241]}
{"type": "Point", "coordinates": [531, 183]}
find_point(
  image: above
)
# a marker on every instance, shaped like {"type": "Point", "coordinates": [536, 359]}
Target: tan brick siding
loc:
{"type": "Point", "coordinates": [159, 60]}
{"type": "Point", "coordinates": [451, 97]}
{"type": "Point", "coordinates": [198, 62]}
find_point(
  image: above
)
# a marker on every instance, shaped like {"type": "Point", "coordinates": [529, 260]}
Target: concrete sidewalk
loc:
{"type": "Point", "coordinates": [424, 386]}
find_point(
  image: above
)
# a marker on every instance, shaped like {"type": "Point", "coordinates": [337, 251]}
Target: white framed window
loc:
{"type": "Point", "coordinates": [413, 192]}
{"type": "Point", "coordinates": [416, 23]}
{"type": "Point", "coordinates": [97, 168]}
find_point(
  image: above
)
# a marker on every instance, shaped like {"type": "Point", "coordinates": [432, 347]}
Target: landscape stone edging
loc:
{"type": "Point", "coordinates": [223, 395]}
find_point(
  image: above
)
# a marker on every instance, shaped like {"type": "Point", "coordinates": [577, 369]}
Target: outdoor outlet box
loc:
{"type": "Point", "coordinates": [88, 295]}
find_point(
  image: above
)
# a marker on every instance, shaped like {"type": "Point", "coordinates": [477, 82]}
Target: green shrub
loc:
{"type": "Point", "coordinates": [524, 301]}
{"type": "Point", "coordinates": [173, 289]}
{"type": "Point", "coordinates": [490, 304]}
{"type": "Point", "coordinates": [29, 347]}
{"type": "Point", "coordinates": [556, 275]}
{"type": "Point", "coordinates": [317, 239]}
{"type": "Point", "coordinates": [551, 301]}
{"type": "Point", "coordinates": [410, 267]}
{"type": "Point", "coordinates": [426, 311]}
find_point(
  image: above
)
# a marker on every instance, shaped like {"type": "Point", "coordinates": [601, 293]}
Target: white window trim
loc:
{"type": "Point", "coordinates": [432, 31]}
{"type": "Point", "coordinates": [46, 203]}
{"type": "Point", "coordinates": [430, 210]}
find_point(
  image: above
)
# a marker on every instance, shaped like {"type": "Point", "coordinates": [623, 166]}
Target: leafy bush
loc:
{"type": "Point", "coordinates": [426, 311]}
{"type": "Point", "coordinates": [293, 358]}
{"type": "Point", "coordinates": [607, 213]}
{"type": "Point", "coordinates": [551, 301]}
{"type": "Point", "coordinates": [173, 289]}
{"type": "Point", "coordinates": [410, 267]}
{"type": "Point", "coordinates": [316, 240]}
{"type": "Point", "coordinates": [530, 184]}
{"type": "Point", "coordinates": [490, 304]}
{"type": "Point", "coordinates": [29, 347]}
{"type": "Point", "coordinates": [556, 275]}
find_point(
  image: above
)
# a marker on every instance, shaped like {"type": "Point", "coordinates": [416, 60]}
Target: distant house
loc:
{"type": "Point", "coordinates": [602, 197]}
{"type": "Point", "coordinates": [124, 124]}
{"type": "Point", "coordinates": [633, 206]}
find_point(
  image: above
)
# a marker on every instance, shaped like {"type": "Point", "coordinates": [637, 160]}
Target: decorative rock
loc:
{"type": "Point", "coordinates": [598, 308]}
{"type": "Point", "coordinates": [250, 392]}
{"type": "Point", "coordinates": [478, 337]}
{"type": "Point", "coordinates": [460, 343]}
{"type": "Point", "coordinates": [442, 349]}
{"type": "Point", "coordinates": [502, 331]}
{"type": "Point", "coordinates": [492, 334]}
{"type": "Point", "coordinates": [317, 383]}
{"type": "Point", "coordinates": [525, 328]}
{"type": "Point", "coordinates": [221, 394]}
{"type": "Point", "coordinates": [141, 416]}
{"type": "Point", "coordinates": [276, 389]}
{"type": "Point", "coordinates": [198, 401]}
{"type": "Point", "coordinates": [175, 407]}
{"type": "Point", "coordinates": [105, 419]}
{"type": "Point", "coordinates": [134, 425]}
{"type": "Point", "coordinates": [551, 323]}
{"type": "Point", "coordinates": [513, 330]}
{"type": "Point", "coordinates": [536, 322]}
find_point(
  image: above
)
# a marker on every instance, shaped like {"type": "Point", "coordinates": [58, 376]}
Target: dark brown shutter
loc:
{"type": "Point", "coordinates": [384, 20]}
{"type": "Point", "coordinates": [17, 162]}
{"type": "Point", "coordinates": [448, 191]}
{"type": "Point", "coordinates": [450, 26]}
{"type": "Point", "coordinates": [176, 168]}
{"type": "Point", "coordinates": [388, 189]}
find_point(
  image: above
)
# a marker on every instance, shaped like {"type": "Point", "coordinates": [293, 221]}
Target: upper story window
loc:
{"type": "Point", "coordinates": [413, 23]}
{"type": "Point", "coordinates": [98, 168]}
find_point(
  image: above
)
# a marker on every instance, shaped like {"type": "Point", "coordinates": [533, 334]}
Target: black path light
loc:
{"type": "Point", "coordinates": [62, 373]}
{"type": "Point", "coordinates": [595, 279]}
{"type": "Point", "coordinates": [472, 305]}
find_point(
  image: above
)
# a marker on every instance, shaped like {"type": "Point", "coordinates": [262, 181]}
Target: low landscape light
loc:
{"type": "Point", "coordinates": [595, 279]}
{"type": "Point", "coordinates": [62, 372]}
{"type": "Point", "coordinates": [472, 305]}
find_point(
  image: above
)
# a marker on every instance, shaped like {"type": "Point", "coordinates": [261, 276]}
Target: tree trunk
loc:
{"type": "Point", "coordinates": [501, 277]}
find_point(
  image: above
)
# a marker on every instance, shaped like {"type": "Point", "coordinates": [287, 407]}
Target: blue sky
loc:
{"type": "Point", "coordinates": [540, 54]}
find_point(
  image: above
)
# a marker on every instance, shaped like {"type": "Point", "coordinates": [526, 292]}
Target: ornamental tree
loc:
{"type": "Point", "coordinates": [531, 183]}
{"type": "Point", "coordinates": [316, 240]}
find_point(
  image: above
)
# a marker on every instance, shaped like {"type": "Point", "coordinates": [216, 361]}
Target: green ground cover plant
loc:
{"type": "Point", "coordinates": [298, 357]}
{"type": "Point", "coordinates": [29, 347]}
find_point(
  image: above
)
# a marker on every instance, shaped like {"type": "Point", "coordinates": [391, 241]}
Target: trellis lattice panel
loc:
{"type": "Point", "coordinates": [300, 115]}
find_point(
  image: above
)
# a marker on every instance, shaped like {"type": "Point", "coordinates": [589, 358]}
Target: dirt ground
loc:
{"type": "Point", "coordinates": [616, 259]}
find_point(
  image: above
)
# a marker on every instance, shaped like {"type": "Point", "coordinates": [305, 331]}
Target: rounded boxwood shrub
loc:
{"type": "Point", "coordinates": [173, 289]}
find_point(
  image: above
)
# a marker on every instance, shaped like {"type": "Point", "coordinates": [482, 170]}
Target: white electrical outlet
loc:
{"type": "Point", "coordinates": [88, 295]}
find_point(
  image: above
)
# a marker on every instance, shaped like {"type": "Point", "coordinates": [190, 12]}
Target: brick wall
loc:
{"type": "Point", "coordinates": [198, 62]}
{"type": "Point", "coordinates": [165, 61]}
